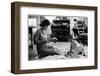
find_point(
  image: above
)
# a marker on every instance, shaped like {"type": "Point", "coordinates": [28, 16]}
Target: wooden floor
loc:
{"type": "Point", "coordinates": [62, 46]}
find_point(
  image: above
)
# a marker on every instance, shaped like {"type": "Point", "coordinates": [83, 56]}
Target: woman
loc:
{"type": "Point", "coordinates": [42, 40]}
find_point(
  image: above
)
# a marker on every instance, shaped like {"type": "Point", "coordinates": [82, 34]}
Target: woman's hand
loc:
{"type": "Point", "coordinates": [52, 39]}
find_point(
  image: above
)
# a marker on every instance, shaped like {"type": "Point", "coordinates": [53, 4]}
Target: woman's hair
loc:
{"type": "Point", "coordinates": [44, 23]}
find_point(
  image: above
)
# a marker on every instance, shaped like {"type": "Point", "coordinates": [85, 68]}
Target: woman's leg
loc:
{"type": "Point", "coordinates": [53, 51]}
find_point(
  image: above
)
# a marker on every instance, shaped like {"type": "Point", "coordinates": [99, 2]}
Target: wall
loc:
{"type": "Point", "coordinates": [5, 39]}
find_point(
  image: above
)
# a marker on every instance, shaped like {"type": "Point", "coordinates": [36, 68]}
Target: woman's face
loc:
{"type": "Point", "coordinates": [46, 27]}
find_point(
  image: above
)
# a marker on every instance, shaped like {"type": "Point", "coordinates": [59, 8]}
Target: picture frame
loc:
{"type": "Point", "coordinates": [17, 38]}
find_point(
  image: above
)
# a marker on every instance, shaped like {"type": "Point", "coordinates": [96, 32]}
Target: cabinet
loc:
{"type": "Point", "coordinates": [61, 29]}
